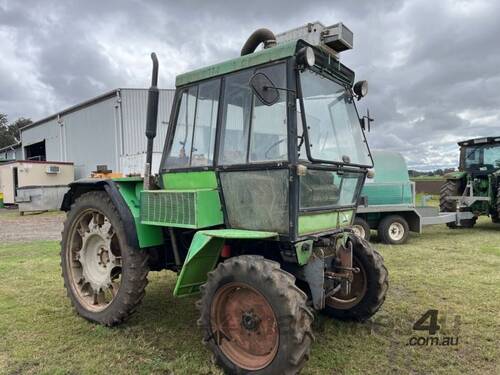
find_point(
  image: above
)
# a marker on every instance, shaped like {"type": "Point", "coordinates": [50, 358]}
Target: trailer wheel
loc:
{"type": "Point", "coordinates": [104, 277]}
{"type": "Point", "coordinates": [368, 289]}
{"type": "Point", "coordinates": [254, 319]}
{"type": "Point", "coordinates": [393, 230]}
{"type": "Point", "coordinates": [361, 228]}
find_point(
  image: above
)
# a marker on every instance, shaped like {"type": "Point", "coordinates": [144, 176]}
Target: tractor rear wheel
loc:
{"type": "Point", "coordinates": [254, 319]}
{"type": "Point", "coordinates": [104, 277]}
{"type": "Point", "coordinates": [368, 288]}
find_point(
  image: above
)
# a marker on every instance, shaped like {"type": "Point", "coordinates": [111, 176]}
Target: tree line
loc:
{"type": "Point", "coordinates": [10, 132]}
{"type": "Point", "coordinates": [436, 172]}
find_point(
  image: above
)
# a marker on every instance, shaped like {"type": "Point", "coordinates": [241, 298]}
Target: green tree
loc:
{"type": "Point", "coordinates": [10, 133]}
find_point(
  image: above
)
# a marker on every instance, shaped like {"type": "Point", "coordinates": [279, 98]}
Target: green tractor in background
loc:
{"type": "Point", "coordinates": [262, 168]}
{"type": "Point", "coordinates": [475, 188]}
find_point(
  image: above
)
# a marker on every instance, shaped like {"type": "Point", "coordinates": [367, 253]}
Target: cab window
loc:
{"type": "Point", "coordinates": [251, 131]}
{"type": "Point", "coordinates": [194, 137]}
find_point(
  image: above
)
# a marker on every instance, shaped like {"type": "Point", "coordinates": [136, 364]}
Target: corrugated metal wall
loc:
{"type": "Point", "coordinates": [90, 137]}
{"type": "Point", "coordinates": [19, 153]}
{"type": "Point", "coordinates": [109, 131]}
{"type": "Point", "coordinates": [133, 147]}
{"type": "Point", "coordinates": [9, 154]}
{"type": "Point", "coordinates": [50, 131]}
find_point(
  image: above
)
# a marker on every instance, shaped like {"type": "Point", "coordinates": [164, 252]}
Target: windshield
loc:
{"type": "Point", "coordinates": [334, 130]}
{"type": "Point", "coordinates": [485, 157]}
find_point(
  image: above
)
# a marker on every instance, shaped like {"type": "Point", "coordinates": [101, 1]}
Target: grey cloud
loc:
{"type": "Point", "coordinates": [432, 66]}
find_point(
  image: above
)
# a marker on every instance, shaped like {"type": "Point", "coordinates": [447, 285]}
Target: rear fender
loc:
{"type": "Point", "coordinates": [124, 195]}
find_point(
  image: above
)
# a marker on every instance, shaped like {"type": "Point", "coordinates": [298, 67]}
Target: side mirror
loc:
{"type": "Point", "coordinates": [365, 121]}
{"type": "Point", "coordinates": [264, 89]}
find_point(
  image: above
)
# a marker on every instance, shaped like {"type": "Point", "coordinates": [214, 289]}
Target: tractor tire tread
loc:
{"type": "Point", "coordinates": [134, 280]}
{"type": "Point", "coordinates": [281, 288]}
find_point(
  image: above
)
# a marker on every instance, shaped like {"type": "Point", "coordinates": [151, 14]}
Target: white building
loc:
{"type": "Point", "coordinates": [106, 130]}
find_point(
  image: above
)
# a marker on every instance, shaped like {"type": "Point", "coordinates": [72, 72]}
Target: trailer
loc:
{"type": "Point", "coordinates": [388, 203]}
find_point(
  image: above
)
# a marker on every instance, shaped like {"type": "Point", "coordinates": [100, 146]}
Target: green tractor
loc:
{"type": "Point", "coordinates": [475, 188]}
{"type": "Point", "coordinates": [262, 168]}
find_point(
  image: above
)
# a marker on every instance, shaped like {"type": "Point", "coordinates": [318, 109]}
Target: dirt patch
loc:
{"type": "Point", "coordinates": [429, 186]}
{"type": "Point", "coordinates": [30, 227]}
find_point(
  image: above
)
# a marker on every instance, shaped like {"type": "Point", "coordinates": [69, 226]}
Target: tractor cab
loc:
{"type": "Point", "coordinates": [475, 187]}
{"type": "Point", "coordinates": [278, 134]}
{"type": "Point", "coordinates": [480, 156]}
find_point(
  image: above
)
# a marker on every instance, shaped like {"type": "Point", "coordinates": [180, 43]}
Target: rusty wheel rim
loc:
{"type": "Point", "coordinates": [244, 326]}
{"type": "Point", "coordinates": [94, 260]}
{"type": "Point", "coordinates": [358, 290]}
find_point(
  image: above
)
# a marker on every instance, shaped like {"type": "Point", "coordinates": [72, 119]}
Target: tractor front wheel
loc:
{"type": "Point", "coordinates": [104, 277]}
{"type": "Point", "coordinates": [452, 188]}
{"type": "Point", "coordinates": [255, 320]}
{"type": "Point", "coordinates": [368, 288]}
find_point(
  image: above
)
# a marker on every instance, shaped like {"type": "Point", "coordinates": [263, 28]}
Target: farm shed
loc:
{"type": "Point", "coordinates": [106, 130]}
{"type": "Point", "coordinates": [12, 152]}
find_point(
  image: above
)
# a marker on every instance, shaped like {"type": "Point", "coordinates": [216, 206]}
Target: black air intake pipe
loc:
{"type": "Point", "coordinates": [259, 36]}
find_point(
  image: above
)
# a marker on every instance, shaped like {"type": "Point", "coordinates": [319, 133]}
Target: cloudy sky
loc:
{"type": "Point", "coordinates": [433, 66]}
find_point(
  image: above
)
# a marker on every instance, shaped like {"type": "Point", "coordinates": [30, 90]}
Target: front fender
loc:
{"type": "Point", "coordinates": [455, 175]}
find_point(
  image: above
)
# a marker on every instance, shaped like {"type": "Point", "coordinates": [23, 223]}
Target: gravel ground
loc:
{"type": "Point", "coordinates": [30, 227]}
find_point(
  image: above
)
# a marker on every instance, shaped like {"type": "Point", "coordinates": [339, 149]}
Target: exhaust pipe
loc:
{"type": "Point", "coordinates": [151, 121]}
{"type": "Point", "coordinates": [259, 36]}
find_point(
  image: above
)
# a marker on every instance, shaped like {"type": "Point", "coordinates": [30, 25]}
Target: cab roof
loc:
{"type": "Point", "coordinates": [479, 141]}
{"type": "Point", "coordinates": [278, 52]}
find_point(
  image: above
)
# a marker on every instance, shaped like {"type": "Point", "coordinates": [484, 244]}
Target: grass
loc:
{"type": "Point", "coordinates": [454, 271]}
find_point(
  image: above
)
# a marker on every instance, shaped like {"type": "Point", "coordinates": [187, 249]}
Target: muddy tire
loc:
{"type": "Point", "coordinates": [448, 189]}
{"type": "Point", "coordinates": [496, 216]}
{"type": "Point", "coordinates": [361, 228]}
{"type": "Point", "coordinates": [452, 188]}
{"type": "Point", "coordinates": [104, 277]}
{"type": "Point", "coordinates": [369, 287]}
{"type": "Point", "coordinates": [254, 319]}
{"type": "Point", "coordinates": [393, 230]}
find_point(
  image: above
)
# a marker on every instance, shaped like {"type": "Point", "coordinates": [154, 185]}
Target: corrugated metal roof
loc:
{"type": "Point", "coordinates": [11, 147]}
{"type": "Point", "coordinates": [84, 104]}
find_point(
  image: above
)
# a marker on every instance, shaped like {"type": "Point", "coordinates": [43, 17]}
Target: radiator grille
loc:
{"type": "Point", "coordinates": [177, 208]}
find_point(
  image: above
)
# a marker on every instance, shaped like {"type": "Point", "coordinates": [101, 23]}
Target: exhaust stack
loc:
{"type": "Point", "coordinates": [151, 121]}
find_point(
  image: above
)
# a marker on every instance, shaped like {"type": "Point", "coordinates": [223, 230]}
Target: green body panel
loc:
{"type": "Point", "coordinates": [188, 208]}
{"type": "Point", "coordinates": [303, 250]}
{"type": "Point", "coordinates": [129, 179]}
{"type": "Point", "coordinates": [130, 190]}
{"type": "Point", "coordinates": [257, 58]}
{"type": "Point", "coordinates": [204, 254]}
{"type": "Point", "coordinates": [189, 180]}
{"type": "Point", "coordinates": [317, 222]}
{"type": "Point", "coordinates": [455, 175]}
{"type": "Point", "coordinates": [391, 184]}
{"type": "Point", "coordinates": [188, 200]}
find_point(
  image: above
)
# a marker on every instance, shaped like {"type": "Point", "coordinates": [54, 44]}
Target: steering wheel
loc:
{"type": "Point", "coordinates": [277, 143]}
